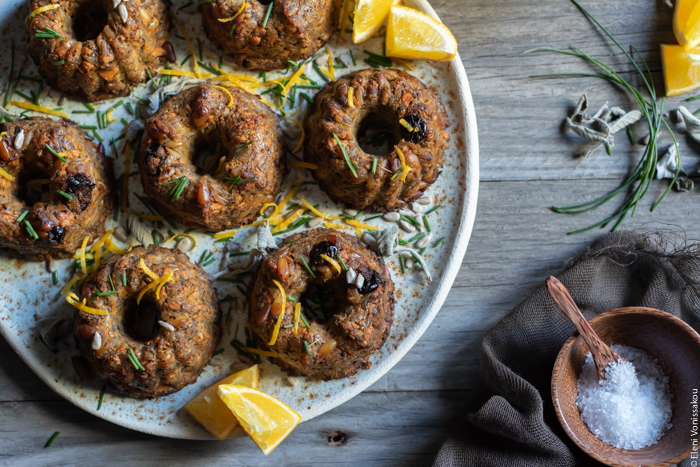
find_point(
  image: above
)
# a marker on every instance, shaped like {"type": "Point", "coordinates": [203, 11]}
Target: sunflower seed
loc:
{"type": "Point", "coordinates": [417, 208]}
{"type": "Point", "coordinates": [116, 3]}
{"type": "Point", "coordinates": [185, 244]}
{"type": "Point", "coordinates": [51, 265]}
{"type": "Point", "coordinates": [423, 242]}
{"type": "Point", "coordinates": [28, 138]}
{"type": "Point", "coordinates": [216, 361]}
{"type": "Point", "coordinates": [351, 212]}
{"type": "Point", "coordinates": [424, 200]}
{"type": "Point", "coordinates": [315, 222]}
{"type": "Point", "coordinates": [120, 234]}
{"type": "Point", "coordinates": [96, 341]}
{"type": "Point", "coordinates": [405, 212]}
{"type": "Point", "coordinates": [350, 276]}
{"type": "Point", "coordinates": [369, 239]}
{"type": "Point", "coordinates": [409, 263]}
{"type": "Point", "coordinates": [62, 100]}
{"type": "Point", "coordinates": [391, 217]}
{"type": "Point", "coordinates": [293, 380]}
{"type": "Point", "coordinates": [44, 92]}
{"type": "Point", "coordinates": [408, 227]}
{"type": "Point", "coordinates": [123, 13]}
{"type": "Point", "coordinates": [167, 326]}
{"type": "Point", "coordinates": [360, 281]}
{"type": "Point", "coordinates": [19, 140]}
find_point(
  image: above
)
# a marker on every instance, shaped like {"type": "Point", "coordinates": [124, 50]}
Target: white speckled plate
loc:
{"type": "Point", "coordinates": [27, 292]}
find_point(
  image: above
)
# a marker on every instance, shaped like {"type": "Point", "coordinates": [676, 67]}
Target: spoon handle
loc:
{"type": "Point", "coordinates": [602, 354]}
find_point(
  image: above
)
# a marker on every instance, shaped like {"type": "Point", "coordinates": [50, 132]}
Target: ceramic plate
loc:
{"type": "Point", "coordinates": [28, 294]}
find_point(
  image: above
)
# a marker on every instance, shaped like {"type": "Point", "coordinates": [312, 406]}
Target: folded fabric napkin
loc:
{"type": "Point", "coordinates": [517, 426]}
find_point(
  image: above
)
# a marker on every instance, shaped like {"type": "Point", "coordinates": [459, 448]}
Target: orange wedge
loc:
{"type": "Point", "coordinates": [686, 23]}
{"type": "Point", "coordinates": [415, 35]}
{"type": "Point", "coordinates": [267, 420]}
{"type": "Point", "coordinates": [681, 69]}
{"type": "Point", "coordinates": [370, 15]}
{"type": "Point", "coordinates": [210, 411]}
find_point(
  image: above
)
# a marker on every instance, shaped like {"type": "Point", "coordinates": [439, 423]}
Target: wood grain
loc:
{"type": "Point", "coordinates": [527, 165]}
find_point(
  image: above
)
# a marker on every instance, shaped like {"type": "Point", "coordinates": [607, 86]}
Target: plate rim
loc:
{"type": "Point", "coordinates": [449, 273]}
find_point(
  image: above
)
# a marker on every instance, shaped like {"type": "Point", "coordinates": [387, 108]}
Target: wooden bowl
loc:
{"type": "Point", "coordinates": [673, 343]}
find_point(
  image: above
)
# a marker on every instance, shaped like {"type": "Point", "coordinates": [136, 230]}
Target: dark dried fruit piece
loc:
{"type": "Point", "coordinates": [57, 234]}
{"type": "Point", "coordinates": [371, 284]}
{"type": "Point", "coordinates": [420, 128]}
{"type": "Point", "coordinates": [81, 187]}
{"type": "Point", "coordinates": [323, 248]}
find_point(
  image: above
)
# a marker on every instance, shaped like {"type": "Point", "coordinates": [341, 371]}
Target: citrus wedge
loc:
{"type": "Point", "coordinates": [686, 23]}
{"type": "Point", "coordinates": [681, 69]}
{"type": "Point", "coordinates": [267, 420]}
{"type": "Point", "coordinates": [370, 15]}
{"type": "Point", "coordinates": [210, 411]}
{"type": "Point", "coordinates": [415, 35]}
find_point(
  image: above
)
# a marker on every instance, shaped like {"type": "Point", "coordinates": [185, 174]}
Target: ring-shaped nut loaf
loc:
{"type": "Point", "coordinates": [381, 100]}
{"type": "Point", "coordinates": [246, 171]}
{"type": "Point", "coordinates": [64, 201]}
{"type": "Point", "coordinates": [177, 351]}
{"type": "Point", "coordinates": [105, 46]}
{"type": "Point", "coordinates": [339, 345]}
{"type": "Point", "coordinates": [295, 29]}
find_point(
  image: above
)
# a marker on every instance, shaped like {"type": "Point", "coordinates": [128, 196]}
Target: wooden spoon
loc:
{"type": "Point", "coordinates": [602, 354]}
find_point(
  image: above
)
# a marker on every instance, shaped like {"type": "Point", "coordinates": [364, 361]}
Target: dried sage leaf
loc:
{"type": "Point", "coordinates": [132, 130]}
{"type": "Point", "coordinates": [139, 230]}
{"type": "Point", "coordinates": [600, 128]}
{"type": "Point", "coordinates": [53, 330]}
{"type": "Point", "coordinates": [387, 240]}
{"type": "Point", "coordinates": [692, 123]}
{"type": "Point", "coordinates": [266, 242]}
{"type": "Point", "coordinates": [683, 184]}
{"type": "Point", "coordinates": [10, 115]}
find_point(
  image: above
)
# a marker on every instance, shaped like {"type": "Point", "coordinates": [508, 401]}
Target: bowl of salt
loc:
{"type": "Point", "coordinates": [634, 403]}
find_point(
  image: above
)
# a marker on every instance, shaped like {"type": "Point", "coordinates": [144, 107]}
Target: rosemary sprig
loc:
{"type": "Point", "coordinates": [644, 172]}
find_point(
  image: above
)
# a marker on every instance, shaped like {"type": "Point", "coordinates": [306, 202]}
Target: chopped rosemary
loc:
{"type": "Point", "coordinates": [372, 218]}
{"type": "Point", "coordinates": [267, 14]}
{"type": "Point", "coordinates": [423, 250]}
{"type": "Point", "coordinates": [306, 346]}
{"type": "Point", "coordinates": [30, 230]}
{"type": "Point", "coordinates": [342, 262]}
{"type": "Point", "coordinates": [54, 277]}
{"type": "Point", "coordinates": [402, 242]}
{"type": "Point", "coordinates": [124, 279]}
{"type": "Point", "coordinates": [218, 352]}
{"type": "Point", "coordinates": [240, 148]}
{"type": "Point", "coordinates": [88, 127]}
{"type": "Point", "coordinates": [22, 216]}
{"type": "Point", "coordinates": [59, 63]}
{"type": "Point", "coordinates": [427, 224]}
{"type": "Point", "coordinates": [69, 197]}
{"type": "Point", "coordinates": [354, 63]}
{"type": "Point", "coordinates": [102, 294]}
{"type": "Point", "coordinates": [433, 209]}
{"type": "Point", "coordinates": [89, 106]}
{"type": "Point", "coordinates": [46, 33]}
{"type": "Point", "coordinates": [303, 261]}
{"type": "Point", "coordinates": [439, 242]}
{"type": "Point", "coordinates": [52, 439]}
{"type": "Point", "coordinates": [410, 220]}
{"type": "Point", "coordinates": [345, 154]}
{"type": "Point", "coordinates": [102, 395]}
{"type": "Point", "coordinates": [180, 184]}
{"type": "Point", "coordinates": [374, 165]}
{"type": "Point", "coordinates": [54, 152]}
{"type": "Point", "coordinates": [134, 360]}
{"type": "Point", "coordinates": [303, 318]}
{"type": "Point", "coordinates": [306, 97]}
{"type": "Point", "coordinates": [416, 237]}
{"type": "Point", "coordinates": [403, 264]}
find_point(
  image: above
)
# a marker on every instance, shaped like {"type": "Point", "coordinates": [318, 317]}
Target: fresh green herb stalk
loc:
{"type": "Point", "coordinates": [642, 175]}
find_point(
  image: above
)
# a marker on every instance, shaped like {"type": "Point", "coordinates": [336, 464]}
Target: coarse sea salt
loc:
{"type": "Point", "coordinates": [626, 410]}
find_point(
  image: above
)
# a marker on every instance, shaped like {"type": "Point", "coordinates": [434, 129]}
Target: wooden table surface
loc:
{"type": "Point", "coordinates": [527, 165]}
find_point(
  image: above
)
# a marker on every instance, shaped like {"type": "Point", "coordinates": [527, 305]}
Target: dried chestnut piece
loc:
{"type": "Point", "coordinates": [371, 284]}
{"type": "Point", "coordinates": [420, 128]}
{"type": "Point", "coordinates": [323, 248]}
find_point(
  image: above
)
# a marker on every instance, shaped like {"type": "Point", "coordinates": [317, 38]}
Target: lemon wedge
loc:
{"type": "Point", "coordinates": [210, 411]}
{"type": "Point", "coordinates": [370, 15]}
{"type": "Point", "coordinates": [681, 69]}
{"type": "Point", "coordinates": [686, 23]}
{"type": "Point", "coordinates": [415, 35]}
{"type": "Point", "coordinates": [267, 420]}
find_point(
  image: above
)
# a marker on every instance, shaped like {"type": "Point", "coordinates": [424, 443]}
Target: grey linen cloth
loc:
{"type": "Point", "coordinates": [517, 425]}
